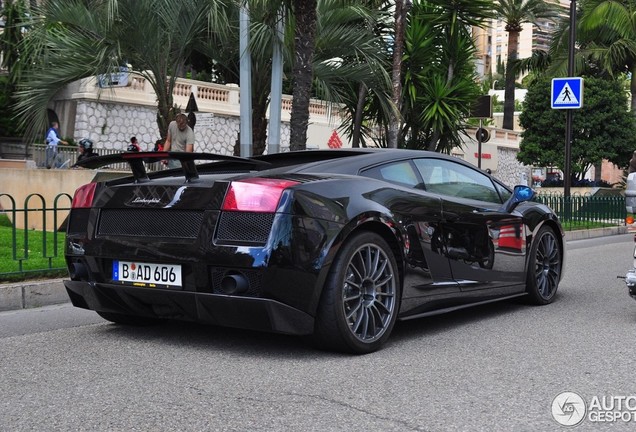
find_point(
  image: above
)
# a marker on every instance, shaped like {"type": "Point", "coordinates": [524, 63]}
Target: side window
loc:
{"type": "Point", "coordinates": [450, 178]}
{"type": "Point", "coordinates": [503, 192]}
{"type": "Point", "coordinates": [401, 173]}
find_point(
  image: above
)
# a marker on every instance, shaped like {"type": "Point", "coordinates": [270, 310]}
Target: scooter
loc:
{"type": "Point", "coordinates": [630, 277]}
{"type": "Point", "coordinates": [630, 204]}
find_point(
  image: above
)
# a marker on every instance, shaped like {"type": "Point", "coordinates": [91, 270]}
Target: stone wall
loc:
{"type": "Point", "coordinates": [110, 126]}
{"type": "Point", "coordinates": [510, 170]}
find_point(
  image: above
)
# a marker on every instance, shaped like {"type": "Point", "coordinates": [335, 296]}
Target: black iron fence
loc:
{"type": "Point", "coordinates": [32, 234]}
{"type": "Point", "coordinates": [587, 211]}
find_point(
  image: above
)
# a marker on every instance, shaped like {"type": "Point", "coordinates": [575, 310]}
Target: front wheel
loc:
{"type": "Point", "coordinates": [360, 299]}
{"type": "Point", "coordinates": [544, 268]}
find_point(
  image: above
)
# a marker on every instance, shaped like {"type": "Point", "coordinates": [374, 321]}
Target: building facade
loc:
{"type": "Point", "coordinates": [492, 42]}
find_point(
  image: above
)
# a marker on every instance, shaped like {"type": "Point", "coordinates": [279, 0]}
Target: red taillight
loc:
{"type": "Point", "coordinates": [255, 195]}
{"type": "Point", "coordinates": [84, 195]}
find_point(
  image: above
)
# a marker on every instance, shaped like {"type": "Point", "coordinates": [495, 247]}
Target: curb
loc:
{"type": "Point", "coordinates": [594, 233]}
{"type": "Point", "coordinates": [33, 294]}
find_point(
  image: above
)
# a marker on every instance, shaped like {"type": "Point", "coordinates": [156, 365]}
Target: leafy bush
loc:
{"type": "Point", "coordinates": [576, 183]}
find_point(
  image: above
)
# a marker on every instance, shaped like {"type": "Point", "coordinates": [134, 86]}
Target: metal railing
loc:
{"type": "Point", "coordinates": [587, 211]}
{"type": "Point", "coordinates": [31, 251]}
{"type": "Point", "coordinates": [67, 156]}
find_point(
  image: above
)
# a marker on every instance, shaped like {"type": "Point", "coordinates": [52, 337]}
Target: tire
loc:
{"type": "Point", "coordinates": [360, 300]}
{"type": "Point", "coordinates": [128, 319]}
{"type": "Point", "coordinates": [544, 267]}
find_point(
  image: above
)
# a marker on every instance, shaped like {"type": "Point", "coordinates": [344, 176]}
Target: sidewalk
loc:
{"type": "Point", "coordinates": [32, 294]}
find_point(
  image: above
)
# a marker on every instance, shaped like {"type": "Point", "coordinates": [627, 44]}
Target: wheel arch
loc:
{"type": "Point", "coordinates": [377, 224]}
{"type": "Point", "coordinates": [559, 234]}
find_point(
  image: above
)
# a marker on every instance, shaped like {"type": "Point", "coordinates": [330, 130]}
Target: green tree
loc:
{"type": "Point", "coordinates": [516, 13]}
{"type": "Point", "coordinates": [14, 12]}
{"type": "Point", "coordinates": [602, 129]}
{"type": "Point", "coordinates": [72, 39]}
{"type": "Point", "coordinates": [440, 82]}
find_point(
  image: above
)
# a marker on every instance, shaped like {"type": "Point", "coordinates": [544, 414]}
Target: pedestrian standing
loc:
{"type": "Point", "coordinates": [180, 138]}
{"type": "Point", "coordinates": [52, 140]}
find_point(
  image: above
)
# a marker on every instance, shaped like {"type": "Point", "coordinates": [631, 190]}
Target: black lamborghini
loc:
{"type": "Point", "coordinates": [333, 244]}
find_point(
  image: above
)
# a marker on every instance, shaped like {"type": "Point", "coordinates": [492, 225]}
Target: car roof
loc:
{"type": "Point", "coordinates": [345, 161]}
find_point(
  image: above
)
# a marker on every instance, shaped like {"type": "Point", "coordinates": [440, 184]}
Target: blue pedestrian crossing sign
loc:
{"type": "Point", "coordinates": [567, 93]}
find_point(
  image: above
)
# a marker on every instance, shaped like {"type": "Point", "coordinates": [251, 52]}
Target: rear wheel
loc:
{"type": "Point", "coordinates": [360, 299]}
{"type": "Point", "coordinates": [544, 269]}
{"type": "Point", "coordinates": [128, 319]}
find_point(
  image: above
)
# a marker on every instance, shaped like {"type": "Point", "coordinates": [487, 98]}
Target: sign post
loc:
{"type": "Point", "coordinates": [570, 116]}
{"type": "Point", "coordinates": [482, 109]}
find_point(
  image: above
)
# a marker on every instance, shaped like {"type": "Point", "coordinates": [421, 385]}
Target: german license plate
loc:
{"type": "Point", "coordinates": [147, 274]}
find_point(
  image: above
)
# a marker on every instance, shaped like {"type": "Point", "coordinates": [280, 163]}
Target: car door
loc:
{"type": "Point", "coordinates": [485, 246]}
{"type": "Point", "coordinates": [427, 271]}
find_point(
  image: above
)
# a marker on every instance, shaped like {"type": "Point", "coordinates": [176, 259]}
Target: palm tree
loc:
{"type": "Point", "coordinates": [349, 52]}
{"type": "Point", "coordinates": [402, 8]}
{"type": "Point", "coordinates": [608, 30]}
{"type": "Point", "coordinates": [515, 13]}
{"type": "Point", "coordinates": [68, 40]}
{"type": "Point", "coordinates": [302, 72]}
{"type": "Point", "coordinates": [350, 63]}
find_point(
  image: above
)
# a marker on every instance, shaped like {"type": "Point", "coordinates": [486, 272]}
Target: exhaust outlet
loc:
{"type": "Point", "coordinates": [235, 283]}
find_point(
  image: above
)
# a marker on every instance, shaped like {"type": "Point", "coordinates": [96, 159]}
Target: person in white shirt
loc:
{"type": "Point", "coordinates": [180, 138]}
{"type": "Point", "coordinates": [52, 140]}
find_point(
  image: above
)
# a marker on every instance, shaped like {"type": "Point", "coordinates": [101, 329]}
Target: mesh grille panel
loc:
{"type": "Point", "coordinates": [150, 223]}
{"type": "Point", "coordinates": [244, 227]}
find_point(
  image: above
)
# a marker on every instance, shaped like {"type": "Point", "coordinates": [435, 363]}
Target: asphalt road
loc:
{"type": "Point", "coordinates": [492, 368]}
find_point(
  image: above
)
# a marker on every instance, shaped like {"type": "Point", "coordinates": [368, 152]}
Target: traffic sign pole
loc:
{"type": "Point", "coordinates": [569, 116]}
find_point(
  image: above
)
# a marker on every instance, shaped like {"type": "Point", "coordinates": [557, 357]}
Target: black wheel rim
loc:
{"type": "Point", "coordinates": [547, 265]}
{"type": "Point", "coordinates": [369, 293]}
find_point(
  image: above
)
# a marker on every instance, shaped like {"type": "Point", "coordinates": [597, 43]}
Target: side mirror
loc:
{"type": "Point", "coordinates": [519, 194]}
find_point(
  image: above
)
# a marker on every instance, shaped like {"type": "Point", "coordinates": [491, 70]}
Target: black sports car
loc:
{"type": "Point", "coordinates": [336, 244]}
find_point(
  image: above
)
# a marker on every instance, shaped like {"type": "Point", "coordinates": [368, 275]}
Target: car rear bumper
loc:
{"type": "Point", "coordinates": [224, 310]}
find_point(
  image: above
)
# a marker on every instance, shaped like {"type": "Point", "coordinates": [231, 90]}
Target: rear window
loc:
{"type": "Point", "coordinates": [401, 173]}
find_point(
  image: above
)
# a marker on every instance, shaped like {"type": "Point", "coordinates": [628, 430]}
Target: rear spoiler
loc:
{"type": "Point", "coordinates": [136, 161]}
